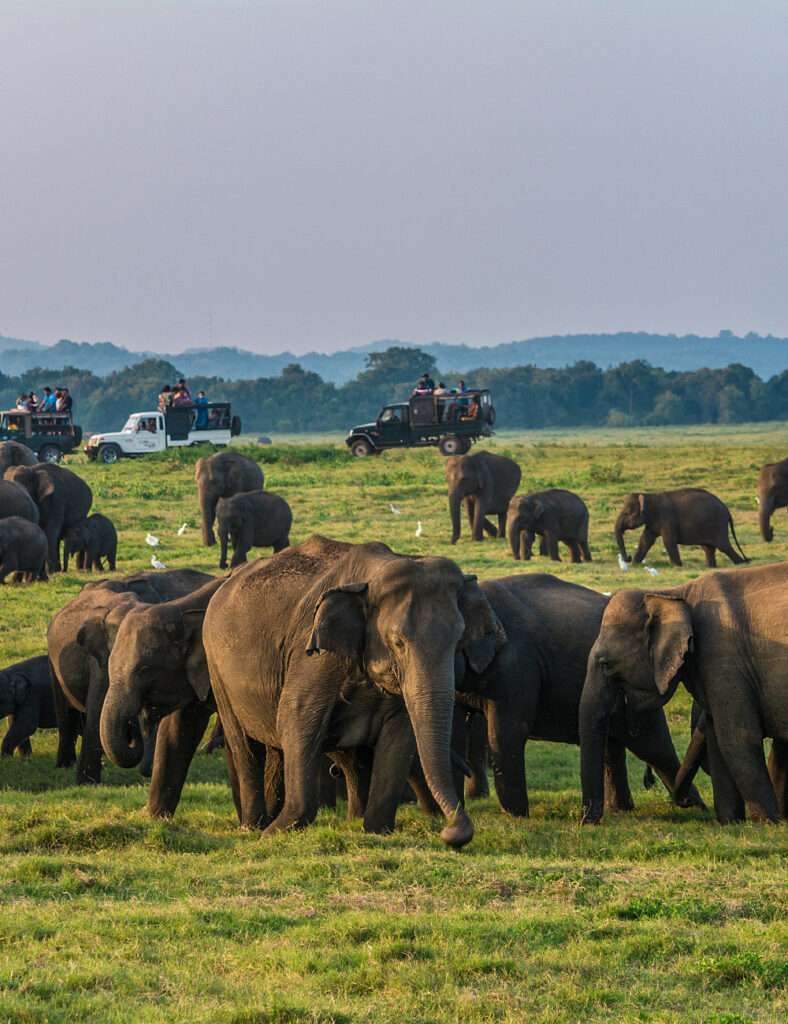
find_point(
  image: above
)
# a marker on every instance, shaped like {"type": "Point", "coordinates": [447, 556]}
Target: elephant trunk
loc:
{"type": "Point", "coordinates": [429, 698]}
{"type": "Point", "coordinates": [696, 751]}
{"type": "Point", "coordinates": [208, 513]}
{"type": "Point", "coordinates": [765, 510]}
{"type": "Point", "coordinates": [596, 705]}
{"type": "Point", "coordinates": [455, 508]}
{"type": "Point", "coordinates": [514, 533]}
{"type": "Point", "coordinates": [619, 534]}
{"type": "Point", "coordinates": [66, 553]}
{"type": "Point", "coordinates": [121, 736]}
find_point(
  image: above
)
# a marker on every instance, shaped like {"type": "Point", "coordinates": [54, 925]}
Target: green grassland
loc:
{"type": "Point", "coordinates": [660, 915]}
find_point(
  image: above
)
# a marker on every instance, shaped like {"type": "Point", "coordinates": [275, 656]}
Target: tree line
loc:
{"type": "Point", "coordinates": [630, 394]}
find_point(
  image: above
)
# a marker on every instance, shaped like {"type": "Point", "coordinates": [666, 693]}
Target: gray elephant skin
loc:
{"type": "Point", "coordinates": [91, 540]}
{"type": "Point", "coordinates": [486, 483]}
{"type": "Point", "coordinates": [725, 636]}
{"type": "Point", "coordinates": [62, 497]}
{"type": "Point", "coordinates": [15, 501]}
{"type": "Point", "coordinates": [690, 515]}
{"type": "Point", "coordinates": [26, 697]}
{"type": "Point", "coordinates": [255, 519]}
{"type": "Point", "coordinates": [772, 494]}
{"type": "Point", "coordinates": [23, 550]}
{"type": "Point", "coordinates": [157, 665]}
{"type": "Point", "coordinates": [221, 476]}
{"type": "Point", "coordinates": [12, 453]}
{"type": "Point", "coordinates": [555, 515]}
{"type": "Point", "coordinates": [533, 687]}
{"type": "Point", "coordinates": [331, 646]}
{"type": "Point", "coordinates": [79, 641]}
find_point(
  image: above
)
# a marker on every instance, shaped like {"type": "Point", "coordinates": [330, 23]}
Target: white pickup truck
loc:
{"type": "Point", "coordinates": [147, 432]}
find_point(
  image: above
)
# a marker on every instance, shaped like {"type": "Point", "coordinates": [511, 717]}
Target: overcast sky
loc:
{"type": "Point", "coordinates": [313, 174]}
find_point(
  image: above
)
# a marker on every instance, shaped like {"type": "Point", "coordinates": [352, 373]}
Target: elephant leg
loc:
{"type": "Point", "coordinates": [394, 752]}
{"type": "Point", "coordinates": [654, 745]}
{"type": "Point", "coordinates": [575, 552]}
{"type": "Point", "coordinates": [69, 725]}
{"type": "Point", "coordinates": [223, 549]}
{"type": "Point", "coordinates": [470, 509]}
{"type": "Point", "coordinates": [671, 545]}
{"type": "Point", "coordinates": [727, 549]}
{"type": "Point", "coordinates": [273, 782]}
{"type": "Point", "coordinates": [711, 555]}
{"type": "Point", "coordinates": [506, 738]}
{"type": "Point", "coordinates": [356, 767]}
{"type": "Point", "coordinates": [645, 544]}
{"type": "Point", "coordinates": [235, 784]}
{"type": "Point", "coordinates": [502, 525]}
{"type": "Point", "coordinates": [53, 531]}
{"type": "Point", "coordinates": [544, 549]}
{"type": "Point", "coordinates": [18, 737]}
{"type": "Point", "coordinates": [177, 739]}
{"type": "Point", "coordinates": [526, 545]}
{"type": "Point", "coordinates": [552, 545]}
{"type": "Point", "coordinates": [418, 783]}
{"type": "Point", "coordinates": [778, 773]}
{"type": "Point", "coordinates": [618, 796]}
{"type": "Point", "coordinates": [586, 550]}
{"type": "Point", "coordinates": [328, 789]}
{"type": "Point", "coordinates": [80, 560]}
{"type": "Point", "coordinates": [728, 802]}
{"type": "Point", "coordinates": [477, 786]}
{"type": "Point", "coordinates": [216, 739]}
{"type": "Point", "coordinates": [689, 766]}
{"type": "Point", "coordinates": [281, 544]}
{"type": "Point", "coordinates": [741, 746]}
{"type": "Point", "coordinates": [89, 764]}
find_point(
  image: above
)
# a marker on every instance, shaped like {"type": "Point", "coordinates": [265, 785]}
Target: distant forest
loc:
{"type": "Point", "coordinates": [631, 394]}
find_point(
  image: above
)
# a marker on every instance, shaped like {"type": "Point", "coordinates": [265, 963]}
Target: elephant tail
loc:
{"type": "Point", "coordinates": [735, 538]}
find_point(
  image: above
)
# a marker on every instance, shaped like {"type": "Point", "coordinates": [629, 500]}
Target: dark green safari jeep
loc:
{"type": "Point", "coordinates": [50, 435]}
{"type": "Point", "coordinates": [450, 422]}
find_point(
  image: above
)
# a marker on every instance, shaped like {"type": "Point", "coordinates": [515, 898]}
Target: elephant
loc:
{"type": "Point", "coordinates": [772, 494]}
{"type": "Point", "coordinates": [725, 636]}
{"type": "Point", "coordinates": [221, 476]}
{"type": "Point", "coordinates": [91, 540]}
{"type": "Point", "coordinates": [62, 497]}
{"type": "Point", "coordinates": [23, 550]}
{"type": "Point", "coordinates": [533, 689]}
{"type": "Point", "coordinates": [690, 515]}
{"type": "Point", "coordinates": [26, 696]}
{"type": "Point", "coordinates": [79, 640]}
{"type": "Point", "coordinates": [12, 453]}
{"type": "Point", "coordinates": [15, 501]}
{"type": "Point", "coordinates": [486, 483]}
{"type": "Point", "coordinates": [556, 515]}
{"type": "Point", "coordinates": [329, 646]}
{"type": "Point", "coordinates": [252, 519]}
{"type": "Point", "coordinates": [157, 664]}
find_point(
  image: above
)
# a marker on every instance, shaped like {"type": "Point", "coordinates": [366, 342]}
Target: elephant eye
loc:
{"type": "Point", "coordinates": [398, 642]}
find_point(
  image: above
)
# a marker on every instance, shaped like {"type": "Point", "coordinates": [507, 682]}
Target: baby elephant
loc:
{"type": "Point", "coordinates": [26, 696]}
{"type": "Point", "coordinates": [690, 515]}
{"type": "Point", "coordinates": [556, 515]}
{"type": "Point", "coordinates": [23, 550]}
{"type": "Point", "coordinates": [91, 540]}
{"type": "Point", "coordinates": [254, 519]}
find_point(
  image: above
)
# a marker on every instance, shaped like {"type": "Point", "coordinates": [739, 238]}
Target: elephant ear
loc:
{"type": "Point", "coordinates": [20, 686]}
{"type": "Point", "coordinates": [643, 502]}
{"type": "Point", "coordinates": [340, 622]}
{"type": "Point", "coordinates": [92, 637]}
{"type": "Point", "coordinates": [196, 662]}
{"type": "Point", "coordinates": [537, 507]}
{"type": "Point", "coordinates": [669, 633]}
{"type": "Point", "coordinates": [484, 635]}
{"type": "Point", "coordinates": [45, 486]}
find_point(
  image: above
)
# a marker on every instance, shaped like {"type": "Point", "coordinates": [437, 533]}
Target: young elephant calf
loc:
{"type": "Point", "coordinates": [555, 515]}
{"type": "Point", "coordinates": [23, 550]}
{"type": "Point", "coordinates": [91, 540]}
{"type": "Point", "coordinates": [26, 696]}
{"type": "Point", "coordinates": [254, 519]}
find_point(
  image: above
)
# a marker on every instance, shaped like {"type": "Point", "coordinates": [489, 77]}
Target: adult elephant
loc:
{"type": "Point", "coordinates": [12, 453]}
{"type": "Point", "coordinates": [157, 666]}
{"type": "Point", "coordinates": [772, 494]}
{"type": "Point", "coordinates": [554, 515]}
{"type": "Point", "coordinates": [62, 497]}
{"type": "Point", "coordinates": [486, 483]}
{"type": "Point", "coordinates": [15, 501]}
{"type": "Point", "coordinates": [332, 646]}
{"type": "Point", "coordinates": [533, 688]}
{"type": "Point", "coordinates": [690, 515]}
{"type": "Point", "coordinates": [26, 697]}
{"type": "Point", "coordinates": [79, 640]}
{"type": "Point", "coordinates": [256, 519]}
{"type": "Point", "coordinates": [725, 636]}
{"type": "Point", "coordinates": [221, 476]}
{"type": "Point", "coordinates": [23, 550]}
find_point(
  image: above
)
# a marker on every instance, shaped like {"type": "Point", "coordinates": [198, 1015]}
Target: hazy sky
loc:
{"type": "Point", "coordinates": [313, 174]}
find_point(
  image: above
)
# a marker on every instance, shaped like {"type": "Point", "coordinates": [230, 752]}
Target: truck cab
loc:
{"type": "Point", "coordinates": [451, 422]}
{"type": "Point", "coordinates": [51, 435]}
{"type": "Point", "coordinates": [147, 432]}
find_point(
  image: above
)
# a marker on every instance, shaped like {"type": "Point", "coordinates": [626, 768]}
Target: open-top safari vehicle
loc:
{"type": "Point", "coordinates": [51, 435]}
{"type": "Point", "coordinates": [146, 432]}
{"type": "Point", "coordinates": [452, 422]}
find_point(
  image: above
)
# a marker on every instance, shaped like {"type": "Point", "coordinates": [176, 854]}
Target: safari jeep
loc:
{"type": "Point", "coordinates": [444, 421]}
{"type": "Point", "coordinates": [51, 435]}
{"type": "Point", "coordinates": [147, 432]}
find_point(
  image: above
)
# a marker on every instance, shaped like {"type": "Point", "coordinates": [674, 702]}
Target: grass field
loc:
{"type": "Point", "coordinates": [660, 915]}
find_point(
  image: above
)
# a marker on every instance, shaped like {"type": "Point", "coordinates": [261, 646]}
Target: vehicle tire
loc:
{"type": "Point", "coordinates": [235, 426]}
{"type": "Point", "coordinates": [109, 454]}
{"type": "Point", "coordinates": [361, 448]}
{"type": "Point", "coordinates": [49, 453]}
{"type": "Point", "coordinates": [491, 416]}
{"type": "Point", "coordinates": [453, 445]}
